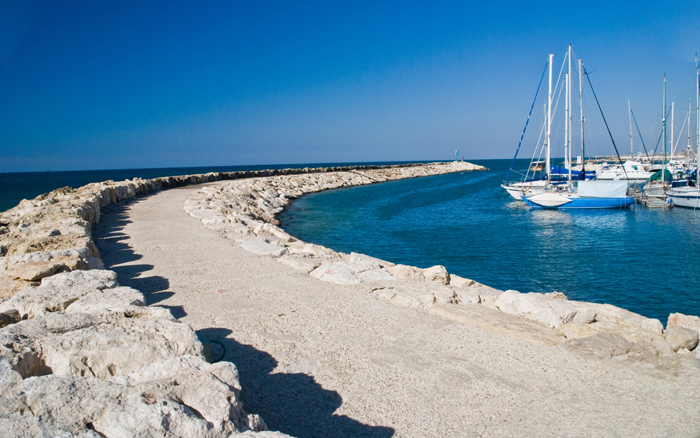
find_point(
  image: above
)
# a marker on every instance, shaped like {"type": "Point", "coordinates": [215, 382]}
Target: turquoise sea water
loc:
{"type": "Point", "coordinates": [647, 261]}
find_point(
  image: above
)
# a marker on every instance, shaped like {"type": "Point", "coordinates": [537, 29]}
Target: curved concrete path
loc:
{"type": "Point", "coordinates": [317, 359]}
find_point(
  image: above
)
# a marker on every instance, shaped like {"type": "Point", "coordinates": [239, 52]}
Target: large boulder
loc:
{"type": "Point", "coordinates": [184, 402]}
{"type": "Point", "coordinates": [437, 274]}
{"type": "Point", "coordinates": [687, 321]}
{"type": "Point", "coordinates": [554, 312]}
{"type": "Point", "coordinates": [335, 272]}
{"type": "Point", "coordinates": [91, 360]}
{"type": "Point", "coordinates": [58, 292]}
{"type": "Point", "coordinates": [681, 337]}
{"type": "Point", "coordinates": [605, 345]}
{"type": "Point", "coordinates": [261, 247]}
{"type": "Point", "coordinates": [407, 272]}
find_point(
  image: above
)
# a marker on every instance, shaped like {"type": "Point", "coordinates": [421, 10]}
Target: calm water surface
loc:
{"type": "Point", "coordinates": [644, 260]}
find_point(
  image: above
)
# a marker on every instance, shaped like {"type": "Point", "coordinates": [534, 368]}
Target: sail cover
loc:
{"type": "Point", "coordinates": [602, 189]}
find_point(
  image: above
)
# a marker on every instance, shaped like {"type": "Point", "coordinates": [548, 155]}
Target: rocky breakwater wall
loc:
{"type": "Point", "coordinates": [81, 355]}
{"type": "Point", "coordinates": [245, 211]}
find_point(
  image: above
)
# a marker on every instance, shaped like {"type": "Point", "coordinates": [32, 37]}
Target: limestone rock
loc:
{"type": "Point", "coordinates": [687, 321]}
{"type": "Point", "coordinates": [552, 312]}
{"type": "Point", "coordinates": [304, 264]}
{"type": "Point", "coordinates": [407, 272]}
{"type": "Point", "coordinates": [84, 345]}
{"type": "Point", "coordinates": [681, 337]}
{"type": "Point", "coordinates": [574, 330]}
{"type": "Point", "coordinates": [369, 269]}
{"type": "Point", "coordinates": [437, 274]}
{"type": "Point", "coordinates": [335, 272]}
{"type": "Point", "coordinates": [467, 295]}
{"type": "Point", "coordinates": [118, 300]}
{"type": "Point", "coordinates": [653, 325]}
{"type": "Point", "coordinates": [35, 271]}
{"type": "Point", "coordinates": [458, 281]}
{"type": "Point", "coordinates": [444, 295]}
{"type": "Point", "coordinates": [319, 251]}
{"type": "Point", "coordinates": [185, 403]}
{"type": "Point", "coordinates": [615, 315]}
{"type": "Point", "coordinates": [662, 347]}
{"type": "Point", "coordinates": [379, 275]}
{"type": "Point", "coordinates": [494, 320]}
{"type": "Point", "coordinates": [261, 247]}
{"type": "Point", "coordinates": [603, 344]}
{"type": "Point", "coordinates": [58, 292]}
{"type": "Point", "coordinates": [356, 257]}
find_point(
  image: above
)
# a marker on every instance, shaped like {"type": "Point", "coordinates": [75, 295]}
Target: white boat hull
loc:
{"type": "Point", "coordinates": [549, 200]}
{"type": "Point", "coordinates": [688, 197]}
{"type": "Point", "coordinates": [518, 190]}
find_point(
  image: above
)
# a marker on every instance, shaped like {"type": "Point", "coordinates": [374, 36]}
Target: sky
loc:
{"type": "Point", "coordinates": [90, 85]}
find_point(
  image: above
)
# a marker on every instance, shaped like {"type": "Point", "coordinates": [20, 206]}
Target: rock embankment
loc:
{"type": "Point", "coordinates": [81, 355]}
{"type": "Point", "coordinates": [245, 212]}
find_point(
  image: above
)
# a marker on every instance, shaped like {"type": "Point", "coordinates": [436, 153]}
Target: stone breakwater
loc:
{"type": "Point", "coordinates": [81, 355]}
{"type": "Point", "coordinates": [245, 212]}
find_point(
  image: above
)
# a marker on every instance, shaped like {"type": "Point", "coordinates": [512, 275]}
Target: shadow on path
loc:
{"type": "Point", "coordinates": [290, 403]}
{"type": "Point", "coordinates": [116, 253]}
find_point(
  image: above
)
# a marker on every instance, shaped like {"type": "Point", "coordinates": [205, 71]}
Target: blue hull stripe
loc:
{"type": "Point", "coordinates": [587, 203]}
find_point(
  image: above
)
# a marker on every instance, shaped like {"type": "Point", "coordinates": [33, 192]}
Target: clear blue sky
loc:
{"type": "Point", "coordinates": [133, 84]}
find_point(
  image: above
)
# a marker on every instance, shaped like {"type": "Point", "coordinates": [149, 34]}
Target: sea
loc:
{"type": "Point", "coordinates": [646, 261]}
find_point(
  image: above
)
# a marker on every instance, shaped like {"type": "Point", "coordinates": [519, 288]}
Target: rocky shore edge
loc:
{"type": "Point", "coordinates": [245, 212]}
{"type": "Point", "coordinates": [81, 355]}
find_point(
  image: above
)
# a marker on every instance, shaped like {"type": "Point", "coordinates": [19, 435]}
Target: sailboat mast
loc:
{"type": "Point", "coordinates": [673, 145]}
{"type": "Point", "coordinates": [697, 115]}
{"type": "Point", "coordinates": [687, 149]}
{"type": "Point", "coordinates": [566, 125]}
{"type": "Point", "coordinates": [663, 171]}
{"type": "Point", "coordinates": [549, 118]}
{"type": "Point", "coordinates": [580, 100]}
{"type": "Point", "coordinates": [629, 110]}
{"type": "Point", "coordinates": [568, 116]}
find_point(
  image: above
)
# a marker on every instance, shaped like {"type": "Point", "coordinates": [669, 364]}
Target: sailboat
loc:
{"type": "Point", "coordinates": [576, 194]}
{"type": "Point", "coordinates": [690, 196]}
{"type": "Point", "coordinates": [630, 170]}
{"type": "Point", "coordinates": [540, 176]}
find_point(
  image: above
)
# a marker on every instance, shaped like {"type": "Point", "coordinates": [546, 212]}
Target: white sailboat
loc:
{"type": "Point", "coordinates": [582, 194]}
{"type": "Point", "coordinates": [689, 197]}
{"type": "Point", "coordinates": [632, 171]}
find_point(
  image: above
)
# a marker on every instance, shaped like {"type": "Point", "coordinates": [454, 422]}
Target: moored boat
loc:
{"type": "Point", "coordinates": [632, 171]}
{"type": "Point", "coordinates": [586, 195]}
{"type": "Point", "coordinates": [689, 197]}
